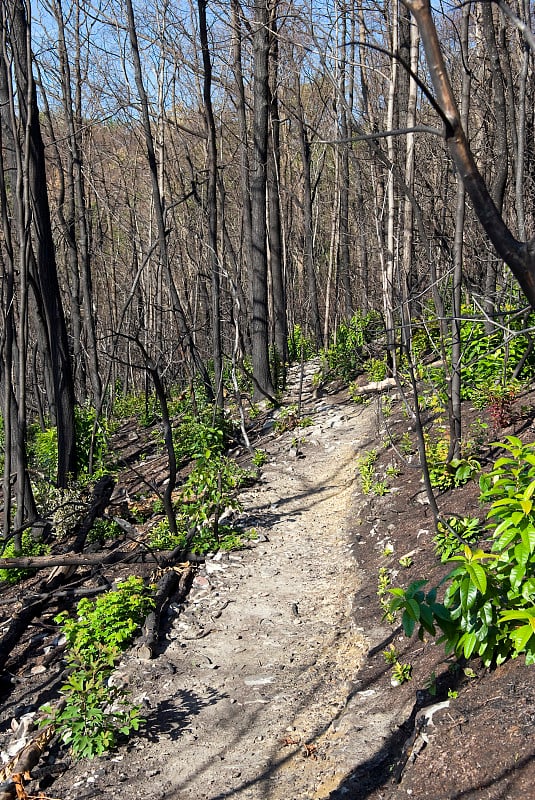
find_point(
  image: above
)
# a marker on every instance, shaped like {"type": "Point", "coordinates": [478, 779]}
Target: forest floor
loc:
{"type": "Point", "coordinates": [270, 681]}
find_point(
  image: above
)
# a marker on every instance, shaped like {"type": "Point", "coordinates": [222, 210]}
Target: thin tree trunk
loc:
{"type": "Point", "coordinates": [260, 330]}
{"type": "Point", "coordinates": [43, 270]}
{"type": "Point", "coordinates": [183, 329]}
{"type": "Point", "coordinates": [518, 255]}
{"type": "Point", "coordinates": [275, 238]}
{"type": "Point", "coordinates": [308, 238]}
{"type": "Point", "coordinates": [211, 202]}
{"type": "Point", "coordinates": [456, 354]}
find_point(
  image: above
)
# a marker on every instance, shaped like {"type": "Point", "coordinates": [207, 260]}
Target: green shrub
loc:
{"type": "Point", "coordinates": [300, 346]}
{"type": "Point", "coordinates": [95, 711]}
{"type": "Point", "coordinates": [489, 603]}
{"type": "Point", "coordinates": [43, 451]}
{"type": "Point", "coordinates": [376, 369]}
{"type": "Point", "coordinates": [30, 547]}
{"type": "Point", "coordinates": [366, 469]}
{"type": "Point", "coordinates": [345, 356]}
{"type": "Point", "coordinates": [451, 537]}
{"type": "Point", "coordinates": [86, 424]}
{"type": "Point", "coordinates": [110, 621]}
{"type": "Point", "coordinates": [489, 360]}
{"type": "Point", "coordinates": [43, 445]}
{"type": "Point", "coordinates": [210, 488]}
{"type": "Point", "coordinates": [144, 407]}
{"type": "Point", "coordinates": [444, 474]}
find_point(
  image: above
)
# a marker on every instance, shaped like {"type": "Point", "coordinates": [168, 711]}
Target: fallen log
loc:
{"type": "Point", "coordinates": [170, 583]}
{"type": "Point", "coordinates": [90, 559]}
{"type": "Point", "coordinates": [59, 575]}
{"type": "Point", "coordinates": [376, 386]}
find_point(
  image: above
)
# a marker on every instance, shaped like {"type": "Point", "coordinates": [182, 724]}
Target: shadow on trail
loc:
{"type": "Point", "coordinates": [375, 769]}
{"type": "Point", "coordinates": [172, 717]}
{"type": "Point", "coordinates": [311, 495]}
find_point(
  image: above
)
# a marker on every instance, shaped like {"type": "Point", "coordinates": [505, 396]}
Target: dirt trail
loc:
{"type": "Point", "coordinates": [248, 698]}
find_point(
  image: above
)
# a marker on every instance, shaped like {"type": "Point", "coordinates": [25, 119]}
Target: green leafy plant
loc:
{"type": "Point", "coordinates": [355, 395]}
{"type": "Point", "coordinates": [110, 621]}
{"type": "Point", "coordinates": [143, 406]}
{"type": "Point", "coordinates": [259, 458]}
{"type": "Point", "coordinates": [489, 602]}
{"type": "Point", "coordinates": [386, 406]}
{"type": "Point", "coordinates": [376, 369]}
{"type": "Point", "coordinates": [453, 534]}
{"type": "Point", "coordinates": [300, 345]}
{"type": "Point", "coordinates": [366, 469]}
{"type": "Point", "coordinates": [347, 352]}
{"type": "Point", "coordinates": [383, 588]}
{"type": "Point", "coordinates": [401, 673]}
{"type": "Point", "coordinates": [380, 488]}
{"type": "Point", "coordinates": [30, 547]}
{"type": "Point", "coordinates": [405, 444]}
{"type": "Point", "coordinates": [489, 359]}
{"type": "Point", "coordinates": [95, 711]}
{"type": "Point", "coordinates": [405, 561]}
{"type": "Point", "coordinates": [92, 435]}
{"type": "Point", "coordinates": [287, 419]}
{"type": "Point", "coordinates": [391, 654]}
{"type": "Point", "coordinates": [104, 530]}
{"type": "Point", "coordinates": [210, 489]}
{"type": "Point", "coordinates": [445, 474]}
{"type": "Point", "coordinates": [43, 451]}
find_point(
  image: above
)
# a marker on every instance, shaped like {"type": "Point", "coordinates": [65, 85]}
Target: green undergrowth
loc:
{"type": "Point", "coordinates": [488, 605]}
{"type": "Point", "coordinates": [30, 547]}
{"type": "Point", "coordinates": [210, 491]}
{"type": "Point", "coordinates": [95, 710]}
{"type": "Point", "coordinates": [348, 354]}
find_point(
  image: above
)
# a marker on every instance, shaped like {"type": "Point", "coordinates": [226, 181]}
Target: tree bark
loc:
{"type": "Point", "coordinates": [518, 255]}
{"type": "Point", "coordinates": [260, 330]}
{"type": "Point", "coordinates": [43, 268]}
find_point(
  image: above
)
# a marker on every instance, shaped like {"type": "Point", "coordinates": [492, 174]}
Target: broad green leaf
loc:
{"type": "Point", "coordinates": [522, 552]}
{"type": "Point", "coordinates": [519, 613]}
{"type": "Point", "coordinates": [397, 592]}
{"type": "Point", "coordinates": [517, 575]}
{"type": "Point", "coordinates": [527, 505]}
{"type": "Point", "coordinates": [408, 623]}
{"type": "Point", "coordinates": [468, 593]}
{"type": "Point", "coordinates": [505, 540]}
{"type": "Point", "coordinates": [413, 609]}
{"type": "Point", "coordinates": [426, 619]}
{"type": "Point", "coordinates": [486, 613]}
{"type": "Point", "coordinates": [469, 643]}
{"type": "Point", "coordinates": [478, 576]}
{"type": "Point", "coordinates": [415, 586]}
{"type": "Point", "coordinates": [521, 637]}
{"type": "Point", "coordinates": [528, 538]}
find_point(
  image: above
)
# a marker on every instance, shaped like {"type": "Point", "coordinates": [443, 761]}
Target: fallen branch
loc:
{"type": "Point", "coordinates": [90, 559]}
{"type": "Point", "coordinates": [59, 575]}
{"type": "Point", "coordinates": [170, 582]}
{"type": "Point", "coordinates": [376, 386]}
{"type": "Point", "coordinates": [19, 768]}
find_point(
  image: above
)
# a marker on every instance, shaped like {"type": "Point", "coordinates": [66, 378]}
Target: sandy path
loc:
{"type": "Point", "coordinates": [247, 698]}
